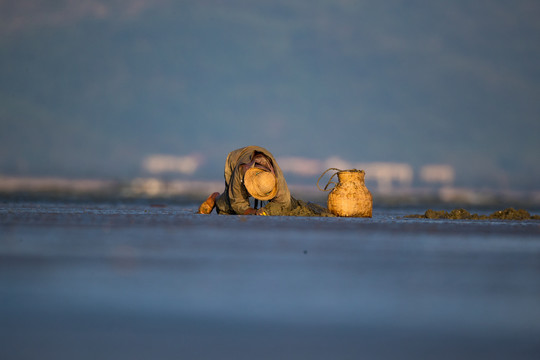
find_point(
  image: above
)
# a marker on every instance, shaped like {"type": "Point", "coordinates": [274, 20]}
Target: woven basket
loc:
{"type": "Point", "coordinates": [350, 196]}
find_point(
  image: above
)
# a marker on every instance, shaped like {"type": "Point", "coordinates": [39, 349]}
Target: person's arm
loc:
{"type": "Point", "coordinates": [239, 196]}
{"type": "Point", "coordinates": [283, 196]}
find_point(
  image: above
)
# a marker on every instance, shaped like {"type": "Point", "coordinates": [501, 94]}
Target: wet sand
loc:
{"type": "Point", "coordinates": [135, 281]}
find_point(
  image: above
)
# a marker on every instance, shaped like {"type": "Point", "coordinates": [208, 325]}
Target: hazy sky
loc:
{"type": "Point", "coordinates": [90, 88]}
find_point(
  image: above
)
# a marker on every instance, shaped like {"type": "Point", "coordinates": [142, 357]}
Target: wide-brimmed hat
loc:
{"type": "Point", "coordinates": [260, 184]}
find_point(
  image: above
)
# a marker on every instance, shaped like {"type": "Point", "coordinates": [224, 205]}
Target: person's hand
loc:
{"type": "Point", "coordinates": [250, 211]}
{"type": "Point", "coordinates": [262, 212]}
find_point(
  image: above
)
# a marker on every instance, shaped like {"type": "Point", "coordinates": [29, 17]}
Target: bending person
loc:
{"type": "Point", "coordinates": [250, 172]}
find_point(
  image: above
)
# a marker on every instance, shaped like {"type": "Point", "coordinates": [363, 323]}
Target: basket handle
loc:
{"type": "Point", "coordinates": [329, 180]}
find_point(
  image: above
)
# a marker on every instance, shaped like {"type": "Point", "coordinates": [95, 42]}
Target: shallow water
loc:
{"type": "Point", "coordinates": [139, 281]}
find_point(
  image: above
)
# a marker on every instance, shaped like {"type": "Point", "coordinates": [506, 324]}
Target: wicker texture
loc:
{"type": "Point", "coordinates": [260, 184]}
{"type": "Point", "coordinates": [350, 196]}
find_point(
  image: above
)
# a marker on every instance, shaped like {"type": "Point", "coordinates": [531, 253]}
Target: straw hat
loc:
{"type": "Point", "coordinates": [260, 184]}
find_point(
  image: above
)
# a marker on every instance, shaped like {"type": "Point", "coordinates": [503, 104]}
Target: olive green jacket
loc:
{"type": "Point", "coordinates": [235, 198]}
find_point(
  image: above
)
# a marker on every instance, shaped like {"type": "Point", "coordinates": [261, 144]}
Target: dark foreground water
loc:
{"type": "Point", "coordinates": [128, 281]}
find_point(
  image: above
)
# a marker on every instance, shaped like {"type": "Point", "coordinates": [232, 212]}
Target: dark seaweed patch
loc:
{"type": "Point", "coordinates": [462, 214]}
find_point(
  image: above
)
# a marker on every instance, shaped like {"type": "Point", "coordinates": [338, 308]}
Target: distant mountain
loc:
{"type": "Point", "coordinates": [90, 90]}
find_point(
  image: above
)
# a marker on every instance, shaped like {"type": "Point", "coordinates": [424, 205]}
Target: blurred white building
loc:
{"type": "Point", "coordinates": [338, 163]}
{"type": "Point", "coordinates": [300, 166]}
{"type": "Point", "coordinates": [158, 164]}
{"type": "Point", "coordinates": [438, 174]}
{"type": "Point", "coordinates": [385, 174]}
